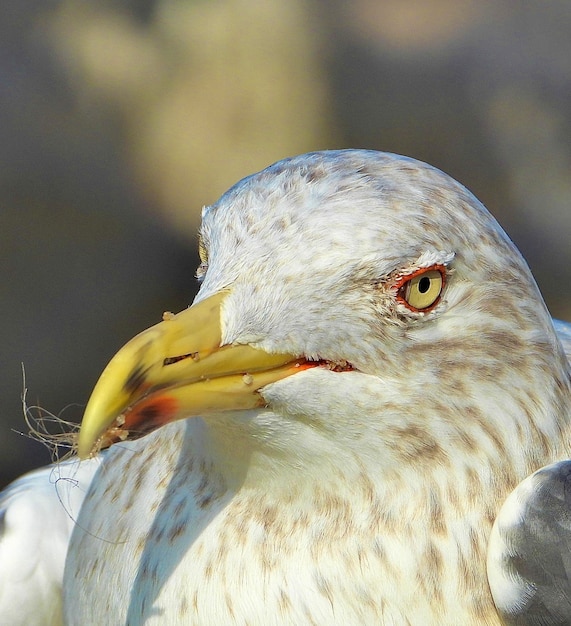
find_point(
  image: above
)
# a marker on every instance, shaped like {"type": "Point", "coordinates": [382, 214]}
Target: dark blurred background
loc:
{"type": "Point", "coordinates": [120, 119]}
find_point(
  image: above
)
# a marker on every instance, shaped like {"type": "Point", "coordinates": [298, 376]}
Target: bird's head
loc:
{"type": "Point", "coordinates": [329, 276]}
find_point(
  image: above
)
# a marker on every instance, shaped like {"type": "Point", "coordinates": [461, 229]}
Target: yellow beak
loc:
{"type": "Point", "coordinates": [174, 370]}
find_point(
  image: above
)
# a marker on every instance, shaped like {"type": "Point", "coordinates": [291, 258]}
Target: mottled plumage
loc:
{"type": "Point", "coordinates": [362, 490]}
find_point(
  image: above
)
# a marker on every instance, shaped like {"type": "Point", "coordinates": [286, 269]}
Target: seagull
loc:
{"type": "Point", "coordinates": [38, 512]}
{"type": "Point", "coordinates": [363, 418]}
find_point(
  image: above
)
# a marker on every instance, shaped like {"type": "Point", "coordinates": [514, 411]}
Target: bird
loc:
{"type": "Point", "coordinates": [363, 418]}
{"type": "Point", "coordinates": [38, 512]}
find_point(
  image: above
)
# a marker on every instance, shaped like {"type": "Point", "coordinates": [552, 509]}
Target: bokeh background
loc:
{"type": "Point", "coordinates": [120, 119]}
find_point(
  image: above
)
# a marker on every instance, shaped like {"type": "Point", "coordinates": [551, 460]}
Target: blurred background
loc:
{"type": "Point", "coordinates": [119, 120]}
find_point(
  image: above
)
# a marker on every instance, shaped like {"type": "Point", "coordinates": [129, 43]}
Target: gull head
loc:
{"type": "Point", "coordinates": [360, 292]}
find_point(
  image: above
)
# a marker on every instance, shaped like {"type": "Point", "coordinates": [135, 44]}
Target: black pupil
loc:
{"type": "Point", "coordinates": [424, 284]}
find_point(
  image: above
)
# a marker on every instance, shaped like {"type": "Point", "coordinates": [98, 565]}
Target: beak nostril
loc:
{"type": "Point", "coordinates": [175, 359]}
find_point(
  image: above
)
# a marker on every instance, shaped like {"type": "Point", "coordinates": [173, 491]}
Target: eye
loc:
{"type": "Point", "coordinates": [421, 291]}
{"type": "Point", "coordinates": [202, 251]}
{"type": "Point", "coordinates": [203, 254]}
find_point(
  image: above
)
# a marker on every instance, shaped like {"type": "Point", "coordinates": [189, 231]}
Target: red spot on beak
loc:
{"type": "Point", "coordinates": [150, 413]}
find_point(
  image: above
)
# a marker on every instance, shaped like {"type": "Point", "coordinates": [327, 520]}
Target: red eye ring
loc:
{"type": "Point", "coordinates": [420, 291]}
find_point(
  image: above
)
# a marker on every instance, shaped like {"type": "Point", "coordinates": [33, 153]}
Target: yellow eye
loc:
{"type": "Point", "coordinates": [421, 291]}
{"type": "Point", "coordinates": [203, 254]}
{"type": "Point", "coordinates": [202, 251]}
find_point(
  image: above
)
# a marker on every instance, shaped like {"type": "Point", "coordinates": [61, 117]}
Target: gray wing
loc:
{"type": "Point", "coordinates": [37, 515]}
{"type": "Point", "coordinates": [529, 555]}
